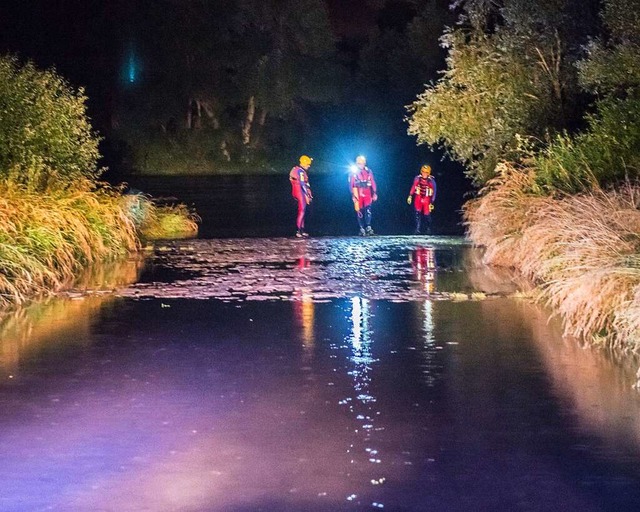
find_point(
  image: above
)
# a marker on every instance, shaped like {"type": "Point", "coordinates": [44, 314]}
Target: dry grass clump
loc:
{"type": "Point", "coordinates": [583, 251]}
{"type": "Point", "coordinates": [155, 222]}
{"type": "Point", "coordinates": [45, 240]}
{"type": "Point", "coordinates": [500, 216]}
{"type": "Point", "coordinates": [170, 221]}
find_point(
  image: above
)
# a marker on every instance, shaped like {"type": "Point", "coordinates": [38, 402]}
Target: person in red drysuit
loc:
{"type": "Point", "coordinates": [423, 195]}
{"type": "Point", "coordinates": [301, 191]}
{"type": "Point", "coordinates": [364, 192]}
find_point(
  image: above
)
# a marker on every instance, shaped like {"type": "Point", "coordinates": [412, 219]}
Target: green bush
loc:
{"type": "Point", "coordinates": [607, 153]}
{"type": "Point", "coordinates": [46, 141]}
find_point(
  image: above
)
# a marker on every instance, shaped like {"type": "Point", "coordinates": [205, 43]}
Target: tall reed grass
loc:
{"type": "Point", "coordinates": [582, 250]}
{"type": "Point", "coordinates": [45, 240]}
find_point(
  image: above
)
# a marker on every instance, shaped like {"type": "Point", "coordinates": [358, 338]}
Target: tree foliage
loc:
{"type": "Point", "coordinates": [608, 151]}
{"type": "Point", "coordinates": [46, 140]}
{"type": "Point", "coordinates": [227, 74]}
{"type": "Point", "coordinates": [509, 77]}
{"type": "Point", "coordinates": [612, 66]}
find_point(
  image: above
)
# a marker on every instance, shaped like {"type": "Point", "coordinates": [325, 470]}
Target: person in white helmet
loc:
{"type": "Point", "coordinates": [364, 193]}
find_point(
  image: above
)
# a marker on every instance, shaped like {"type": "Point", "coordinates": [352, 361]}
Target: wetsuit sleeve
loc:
{"type": "Point", "coordinates": [413, 187]}
{"type": "Point", "coordinates": [374, 187]}
{"type": "Point", "coordinates": [304, 183]}
{"type": "Point", "coordinates": [352, 185]}
{"type": "Point", "coordinates": [433, 182]}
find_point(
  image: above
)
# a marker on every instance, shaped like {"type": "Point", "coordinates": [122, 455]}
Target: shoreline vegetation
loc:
{"type": "Point", "coordinates": [48, 240]}
{"type": "Point", "coordinates": [581, 250]}
{"type": "Point", "coordinates": [544, 112]}
{"type": "Point", "coordinates": [56, 218]}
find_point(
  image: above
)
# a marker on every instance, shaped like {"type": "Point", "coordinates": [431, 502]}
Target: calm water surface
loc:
{"type": "Point", "coordinates": [336, 373]}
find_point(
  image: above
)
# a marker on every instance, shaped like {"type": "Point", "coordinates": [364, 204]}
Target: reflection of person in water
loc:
{"type": "Point", "coordinates": [423, 261]}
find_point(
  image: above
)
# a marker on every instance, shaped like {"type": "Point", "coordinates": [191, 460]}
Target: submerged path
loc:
{"type": "Point", "coordinates": [391, 268]}
{"type": "Point", "coordinates": [319, 375]}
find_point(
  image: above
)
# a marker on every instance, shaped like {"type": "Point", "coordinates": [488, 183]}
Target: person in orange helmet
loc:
{"type": "Point", "coordinates": [423, 195]}
{"type": "Point", "coordinates": [301, 191]}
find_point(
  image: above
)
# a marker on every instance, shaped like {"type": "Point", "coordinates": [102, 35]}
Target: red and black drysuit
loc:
{"type": "Point", "coordinates": [301, 192]}
{"type": "Point", "coordinates": [423, 191]}
{"type": "Point", "coordinates": [364, 189]}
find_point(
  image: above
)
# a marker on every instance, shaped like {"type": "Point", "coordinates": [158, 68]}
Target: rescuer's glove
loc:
{"type": "Point", "coordinates": [308, 199]}
{"type": "Point", "coordinates": [375, 197]}
{"type": "Point", "coordinates": [409, 200]}
{"type": "Point", "coordinates": [431, 207]}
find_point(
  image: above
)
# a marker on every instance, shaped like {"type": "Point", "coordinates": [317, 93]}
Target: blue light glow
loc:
{"type": "Point", "coordinates": [131, 68]}
{"type": "Point", "coordinates": [130, 71]}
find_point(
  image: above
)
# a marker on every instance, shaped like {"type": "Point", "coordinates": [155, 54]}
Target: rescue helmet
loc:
{"type": "Point", "coordinates": [305, 160]}
{"type": "Point", "coordinates": [360, 159]}
{"type": "Point", "coordinates": [426, 169]}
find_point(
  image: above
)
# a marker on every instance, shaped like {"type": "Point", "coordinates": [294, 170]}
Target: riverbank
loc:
{"type": "Point", "coordinates": [583, 252]}
{"type": "Point", "coordinates": [47, 240]}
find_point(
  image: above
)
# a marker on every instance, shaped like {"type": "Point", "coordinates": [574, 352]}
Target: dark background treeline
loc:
{"type": "Point", "coordinates": [217, 85]}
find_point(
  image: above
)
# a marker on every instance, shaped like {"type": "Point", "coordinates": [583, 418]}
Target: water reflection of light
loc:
{"type": "Point", "coordinates": [357, 253]}
{"type": "Point", "coordinates": [304, 310]}
{"type": "Point", "coordinates": [430, 368]}
{"type": "Point", "coordinates": [356, 322]}
{"type": "Point", "coordinates": [26, 330]}
{"type": "Point", "coordinates": [361, 405]}
{"type": "Point", "coordinates": [427, 309]}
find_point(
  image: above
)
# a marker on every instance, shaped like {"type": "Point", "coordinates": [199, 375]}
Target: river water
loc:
{"type": "Point", "coordinates": [262, 372]}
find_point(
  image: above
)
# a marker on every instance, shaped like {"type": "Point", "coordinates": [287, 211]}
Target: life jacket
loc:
{"type": "Point", "coordinates": [363, 179]}
{"type": "Point", "coordinates": [425, 186]}
{"type": "Point", "coordinates": [299, 181]}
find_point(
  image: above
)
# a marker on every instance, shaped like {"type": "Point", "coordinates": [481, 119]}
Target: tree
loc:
{"type": "Point", "coordinates": [400, 56]}
{"type": "Point", "coordinates": [217, 72]}
{"type": "Point", "coordinates": [608, 151]}
{"type": "Point", "coordinates": [510, 77]}
{"type": "Point", "coordinates": [291, 49]}
{"type": "Point", "coordinates": [46, 140]}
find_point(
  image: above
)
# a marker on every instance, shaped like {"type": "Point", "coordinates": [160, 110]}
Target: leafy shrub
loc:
{"type": "Point", "coordinates": [608, 152]}
{"type": "Point", "coordinates": [154, 222]}
{"type": "Point", "coordinates": [46, 141]}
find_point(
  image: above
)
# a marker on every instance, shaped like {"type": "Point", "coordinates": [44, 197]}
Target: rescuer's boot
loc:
{"type": "Point", "coordinates": [428, 218]}
{"type": "Point", "coordinates": [418, 222]}
{"type": "Point", "coordinates": [362, 232]}
{"type": "Point", "coordinates": [369, 231]}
